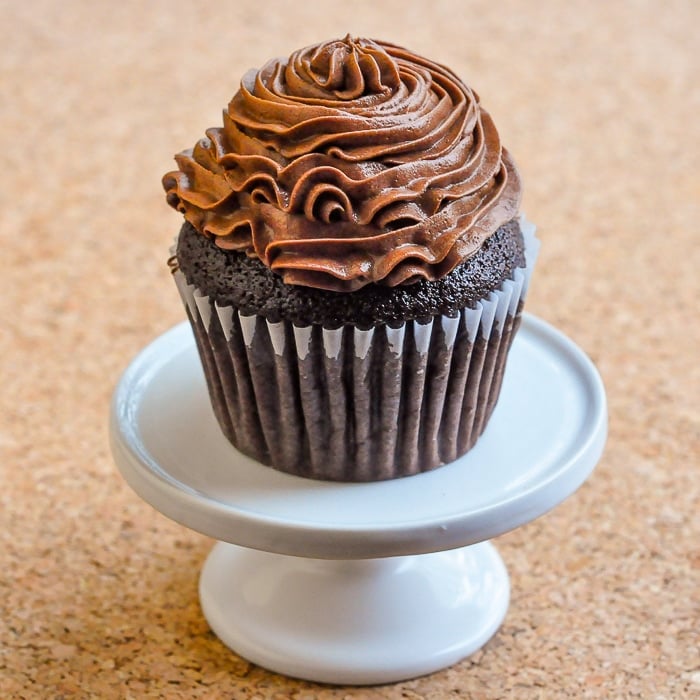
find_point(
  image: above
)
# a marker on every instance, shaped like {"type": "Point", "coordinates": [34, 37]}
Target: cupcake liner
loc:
{"type": "Point", "coordinates": [357, 405]}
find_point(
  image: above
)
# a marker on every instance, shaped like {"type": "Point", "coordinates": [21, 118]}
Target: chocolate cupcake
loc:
{"type": "Point", "coordinates": [353, 262]}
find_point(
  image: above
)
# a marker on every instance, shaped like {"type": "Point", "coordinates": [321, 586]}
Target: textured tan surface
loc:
{"type": "Point", "coordinates": [599, 102]}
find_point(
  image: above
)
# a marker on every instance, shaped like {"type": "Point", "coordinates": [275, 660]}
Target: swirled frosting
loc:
{"type": "Point", "coordinates": [354, 161]}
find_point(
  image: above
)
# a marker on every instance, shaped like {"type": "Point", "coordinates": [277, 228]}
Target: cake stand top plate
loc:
{"type": "Point", "coordinates": [545, 437]}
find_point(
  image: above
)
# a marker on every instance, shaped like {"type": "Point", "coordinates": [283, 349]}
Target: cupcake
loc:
{"type": "Point", "coordinates": [353, 262]}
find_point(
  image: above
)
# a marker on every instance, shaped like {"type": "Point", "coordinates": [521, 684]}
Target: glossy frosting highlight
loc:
{"type": "Point", "coordinates": [352, 162]}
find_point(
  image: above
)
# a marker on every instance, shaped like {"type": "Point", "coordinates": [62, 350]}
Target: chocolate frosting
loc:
{"type": "Point", "coordinates": [352, 162]}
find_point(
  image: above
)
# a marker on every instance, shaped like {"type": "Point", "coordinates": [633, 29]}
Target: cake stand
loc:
{"type": "Point", "coordinates": [358, 583]}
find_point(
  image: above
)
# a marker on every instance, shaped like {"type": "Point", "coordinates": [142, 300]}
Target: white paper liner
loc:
{"type": "Point", "coordinates": [390, 419]}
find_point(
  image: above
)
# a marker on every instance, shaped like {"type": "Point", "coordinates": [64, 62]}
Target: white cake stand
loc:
{"type": "Point", "coordinates": [358, 583]}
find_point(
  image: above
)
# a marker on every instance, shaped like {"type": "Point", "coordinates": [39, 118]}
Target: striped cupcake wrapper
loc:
{"type": "Point", "coordinates": [357, 405]}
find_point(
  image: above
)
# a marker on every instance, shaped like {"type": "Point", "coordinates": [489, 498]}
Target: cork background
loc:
{"type": "Point", "coordinates": [598, 102]}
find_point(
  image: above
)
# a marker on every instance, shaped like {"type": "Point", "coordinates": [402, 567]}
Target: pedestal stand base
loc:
{"type": "Point", "coordinates": [358, 583]}
{"type": "Point", "coordinates": [362, 621]}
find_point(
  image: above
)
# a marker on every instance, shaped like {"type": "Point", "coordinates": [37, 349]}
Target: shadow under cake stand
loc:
{"type": "Point", "coordinates": [358, 583]}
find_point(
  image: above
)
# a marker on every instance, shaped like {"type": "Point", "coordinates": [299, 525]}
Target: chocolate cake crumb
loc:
{"type": "Point", "coordinates": [232, 278]}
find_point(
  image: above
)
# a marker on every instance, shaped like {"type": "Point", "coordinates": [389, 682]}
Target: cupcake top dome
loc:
{"type": "Point", "coordinates": [351, 162]}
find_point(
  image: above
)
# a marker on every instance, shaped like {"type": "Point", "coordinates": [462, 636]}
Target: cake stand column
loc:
{"type": "Point", "coordinates": [362, 621]}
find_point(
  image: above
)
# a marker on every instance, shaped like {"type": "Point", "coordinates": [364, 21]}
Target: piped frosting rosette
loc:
{"type": "Point", "coordinates": [352, 162]}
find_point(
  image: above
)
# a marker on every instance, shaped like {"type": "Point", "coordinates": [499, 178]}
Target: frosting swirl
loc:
{"type": "Point", "coordinates": [352, 162]}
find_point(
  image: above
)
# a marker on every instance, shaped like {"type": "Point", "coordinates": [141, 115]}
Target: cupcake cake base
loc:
{"type": "Point", "coordinates": [350, 403]}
